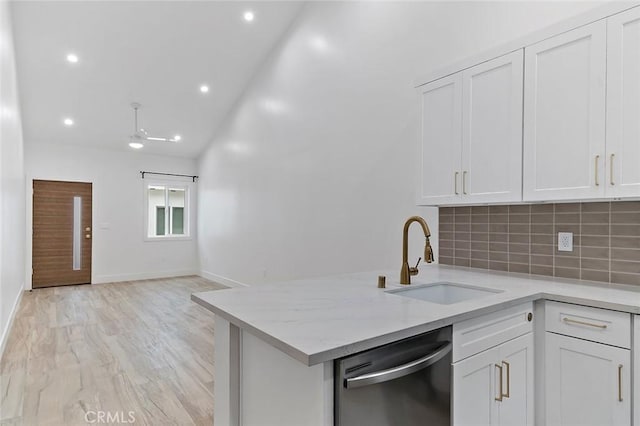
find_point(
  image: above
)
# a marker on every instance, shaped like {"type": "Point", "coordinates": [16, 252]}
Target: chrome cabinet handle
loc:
{"type": "Point", "coordinates": [620, 382]}
{"type": "Point", "coordinates": [455, 182]}
{"type": "Point", "coordinates": [588, 324]}
{"type": "Point", "coordinates": [400, 370]}
{"type": "Point", "coordinates": [500, 394]}
{"type": "Point", "coordinates": [611, 170]}
{"type": "Point", "coordinates": [464, 182]}
{"type": "Point", "coordinates": [597, 179]}
{"type": "Point", "coordinates": [506, 395]}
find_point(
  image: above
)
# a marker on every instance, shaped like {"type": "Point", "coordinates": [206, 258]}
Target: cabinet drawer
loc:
{"type": "Point", "coordinates": [478, 334]}
{"type": "Point", "coordinates": [595, 324]}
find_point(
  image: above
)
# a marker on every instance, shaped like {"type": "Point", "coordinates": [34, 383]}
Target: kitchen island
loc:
{"type": "Point", "coordinates": [275, 344]}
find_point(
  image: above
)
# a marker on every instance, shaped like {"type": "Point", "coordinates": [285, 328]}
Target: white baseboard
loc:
{"type": "Point", "coordinates": [103, 279]}
{"type": "Point", "coordinates": [12, 317]}
{"type": "Point", "coordinates": [222, 280]}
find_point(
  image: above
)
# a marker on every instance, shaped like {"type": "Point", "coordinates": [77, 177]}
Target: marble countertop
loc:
{"type": "Point", "coordinates": [320, 319]}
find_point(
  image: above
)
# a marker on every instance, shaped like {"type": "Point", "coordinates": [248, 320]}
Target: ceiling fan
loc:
{"type": "Point", "coordinates": [140, 135]}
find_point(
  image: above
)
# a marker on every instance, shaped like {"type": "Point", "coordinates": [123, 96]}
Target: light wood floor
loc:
{"type": "Point", "coordinates": [140, 346]}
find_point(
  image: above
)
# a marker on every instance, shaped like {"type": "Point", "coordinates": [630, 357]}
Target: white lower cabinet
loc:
{"type": "Point", "coordinates": [636, 370]}
{"type": "Point", "coordinates": [495, 387]}
{"type": "Point", "coordinates": [587, 366]}
{"type": "Point", "coordinates": [587, 383]}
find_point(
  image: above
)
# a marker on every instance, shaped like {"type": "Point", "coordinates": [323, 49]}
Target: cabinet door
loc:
{"type": "Point", "coordinates": [587, 383]}
{"type": "Point", "coordinates": [492, 130]}
{"type": "Point", "coordinates": [623, 104]}
{"type": "Point", "coordinates": [636, 370]}
{"type": "Point", "coordinates": [475, 389]}
{"type": "Point", "coordinates": [440, 142]}
{"type": "Point", "coordinates": [564, 116]}
{"type": "Point", "coordinates": [516, 356]}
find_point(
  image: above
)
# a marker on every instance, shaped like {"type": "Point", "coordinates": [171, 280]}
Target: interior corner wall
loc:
{"type": "Point", "coordinates": [314, 172]}
{"type": "Point", "coordinates": [121, 251]}
{"type": "Point", "coordinates": [12, 181]}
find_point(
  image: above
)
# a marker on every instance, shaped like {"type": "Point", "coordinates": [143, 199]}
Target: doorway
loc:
{"type": "Point", "coordinates": [62, 233]}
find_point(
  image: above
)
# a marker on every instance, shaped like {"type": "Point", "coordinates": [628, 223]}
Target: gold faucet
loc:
{"type": "Point", "coordinates": [406, 272]}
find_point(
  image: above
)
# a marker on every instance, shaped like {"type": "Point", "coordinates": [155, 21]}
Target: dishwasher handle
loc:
{"type": "Point", "coordinates": [400, 370]}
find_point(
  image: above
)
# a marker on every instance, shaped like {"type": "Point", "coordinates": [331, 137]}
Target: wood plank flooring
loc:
{"type": "Point", "coordinates": [141, 347]}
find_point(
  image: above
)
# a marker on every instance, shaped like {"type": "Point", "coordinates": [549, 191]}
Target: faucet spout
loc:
{"type": "Point", "coordinates": [406, 272]}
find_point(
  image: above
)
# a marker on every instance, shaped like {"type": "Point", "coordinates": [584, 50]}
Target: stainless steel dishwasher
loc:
{"type": "Point", "coordinates": [400, 384]}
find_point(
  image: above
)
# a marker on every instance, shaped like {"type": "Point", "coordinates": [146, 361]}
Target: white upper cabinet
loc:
{"type": "Point", "coordinates": [492, 130]}
{"type": "Point", "coordinates": [564, 116]}
{"type": "Point", "coordinates": [471, 141]}
{"type": "Point", "coordinates": [441, 145]}
{"type": "Point", "coordinates": [623, 104]}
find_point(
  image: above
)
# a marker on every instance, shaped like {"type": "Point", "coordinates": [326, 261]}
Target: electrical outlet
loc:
{"type": "Point", "coordinates": [565, 241]}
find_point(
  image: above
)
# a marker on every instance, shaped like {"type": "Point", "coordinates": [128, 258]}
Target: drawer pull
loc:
{"type": "Point", "coordinates": [620, 382]}
{"type": "Point", "coordinates": [588, 324]}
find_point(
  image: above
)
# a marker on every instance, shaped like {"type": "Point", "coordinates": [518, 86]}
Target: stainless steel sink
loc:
{"type": "Point", "coordinates": [444, 293]}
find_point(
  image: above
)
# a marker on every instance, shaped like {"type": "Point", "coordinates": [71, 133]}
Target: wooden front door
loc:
{"type": "Point", "coordinates": [62, 233]}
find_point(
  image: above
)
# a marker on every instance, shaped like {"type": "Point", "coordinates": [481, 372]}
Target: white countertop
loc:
{"type": "Point", "coordinates": [320, 319]}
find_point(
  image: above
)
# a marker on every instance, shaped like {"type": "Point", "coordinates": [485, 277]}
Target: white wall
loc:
{"type": "Point", "coordinates": [314, 172]}
{"type": "Point", "coordinates": [120, 249]}
{"type": "Point", "coordinates": [12, 182]}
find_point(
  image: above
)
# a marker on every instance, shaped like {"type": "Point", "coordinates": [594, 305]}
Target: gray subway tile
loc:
{"type": "Point", "coordinates": [542, 208]}
{"type": "Point", "coordinates": [621, 278]}
{"type": "Point", "coordinates": [625, 254]}
{"type": "Point", "coordinates": [540, 259]}
{"type": "Point", "coordinates": [480, 210]}
{"type": "Point", "coordinates": [567, 208]}
{"type": "Point", "coordinates": [519, 208]}
{"type": "Point", "coordinates": [499, 266]}
{"type": "Point", "coordinates": [627, 267]}
{"type": "Point", "coordinates": [587, 274]}
{"type": "Point", "coordinates": [625, 206]}
{"type": "Point", "coordinates": [541, 270]}
{"type": "Point", "coordinates": [595, 207]}
{"type": "Point", "coordinates": [594, 252]}
{"type": "Point", "coordinates": [476, 263]}
{"type": "Point", "coordinates": [595, 218]}
{"type": "Point", "coordinates": [519, 267]}
{"type": "Point", "coordinates": [567, 272]}
{"type": "Point", "coordinates": [567, 262]}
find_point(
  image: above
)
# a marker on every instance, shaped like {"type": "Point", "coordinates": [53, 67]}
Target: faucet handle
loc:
{"type": "Point", "coordinates": [414, 270]}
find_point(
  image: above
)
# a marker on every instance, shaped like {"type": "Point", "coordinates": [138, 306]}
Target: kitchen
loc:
{"type": "Point", "coordinates": [330, 125]}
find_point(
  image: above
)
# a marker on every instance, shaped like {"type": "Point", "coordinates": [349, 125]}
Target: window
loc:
{"type": "Point", "coordinates": [167, 211]}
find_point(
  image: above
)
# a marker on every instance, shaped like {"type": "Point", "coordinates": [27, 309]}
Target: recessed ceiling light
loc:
{"type": "Point", "coordinates": [68, 122]}
{"type": "Point", "coordinates": [248, 16]}
{"type": "Point", "coordinates": [177, 138]}
{"type": "Point", "coordinates": [73, 58]}
{"type": "Point", "coordinates": [204, 88]}
{"type": "Point", "coordinates": [135, 145]}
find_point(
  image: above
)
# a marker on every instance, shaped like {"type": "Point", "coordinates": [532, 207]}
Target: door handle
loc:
{"type": "Point", "coordinates": [611, 170]}
{"type": "Point", "coordinates": [500, 394]}
{"type": "Point", "coordinates": [87, 229]}
{"type": "Point", "coordinates": [620, 382]}
{"type": "Point", "coordinates": [506, 395]}
{"type": "Point", "coordinates": [597, 178]}
{"type": "Point", "coordinates": [400, 370]}
{"type": "Point", "coordinates": [87, 236]}
{"type": "Point", "coordinates": [464, 182]}
{"type": "Point", "coordinates": [455, 183]}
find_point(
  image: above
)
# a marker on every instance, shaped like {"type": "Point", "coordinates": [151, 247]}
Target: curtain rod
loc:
{"type": "Point", "coordinates": [168, 174]}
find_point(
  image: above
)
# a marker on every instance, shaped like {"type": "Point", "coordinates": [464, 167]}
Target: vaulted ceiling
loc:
{"type": "Point", "coordinates": [157, 53]}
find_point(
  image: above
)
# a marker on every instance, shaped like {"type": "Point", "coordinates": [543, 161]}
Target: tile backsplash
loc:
{"type": "Point", "coordinates": [524, 238]}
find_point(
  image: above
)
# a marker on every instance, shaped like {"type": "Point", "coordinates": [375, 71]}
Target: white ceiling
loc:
{"type": "Point", "coordinates": [155, 53]}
